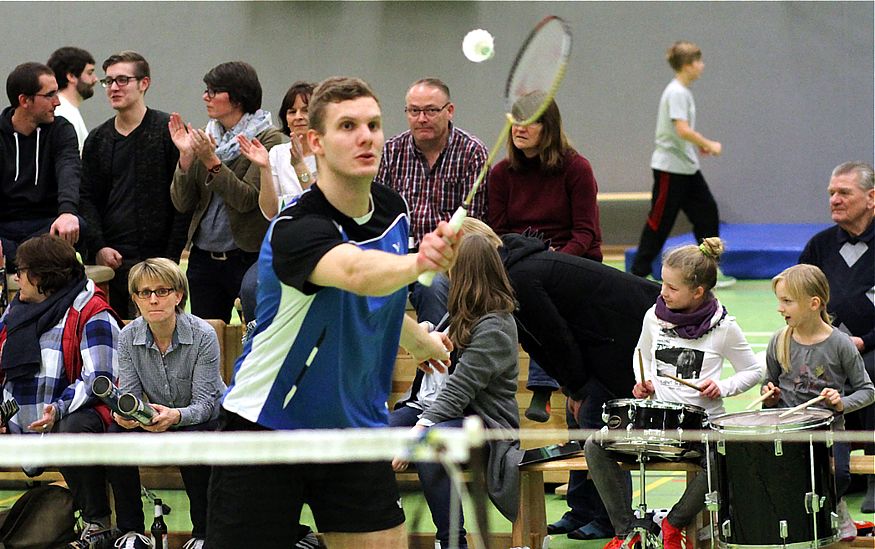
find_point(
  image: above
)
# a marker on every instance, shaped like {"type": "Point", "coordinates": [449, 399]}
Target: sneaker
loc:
{"type": "Point", "coordinates": [133, 540]}
{"type": "Point", "coordinates": [95, 536]}
{"type": "Point", "coordinates": [847, 528]}
{"type": "Point", "coordinates": [724, 281]}
{"type": "Point", "coordinates": [621, 543]}
{"type": "Point", "coordinates": [590, 531]}
{"type": "Point", "coordinates": [672, 537]}
{"type": "Point", "coordinates": [193, 543]}
{"type": "Point", "coordinates": [563, 526]}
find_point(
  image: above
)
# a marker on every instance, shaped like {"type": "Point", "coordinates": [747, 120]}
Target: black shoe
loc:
{"type": "Point", "coordinates": [590, 531]}
{"type": "Point", "coordinates": [563, 526]}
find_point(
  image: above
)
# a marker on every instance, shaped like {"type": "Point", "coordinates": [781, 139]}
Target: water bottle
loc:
{"type": "Point", "coordinates": [159, 529]}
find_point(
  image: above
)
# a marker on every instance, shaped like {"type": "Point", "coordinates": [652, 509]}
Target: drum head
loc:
{"type": "Point", "coordinates": [767, 421]}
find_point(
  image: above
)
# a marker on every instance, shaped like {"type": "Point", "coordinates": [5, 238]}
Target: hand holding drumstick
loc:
{"type": "Point", "coordinates": [644, 388]}
{"type": "Point", "coordinates": [771, 395]}
{"type": "Point", "coordinates": [765, 396]}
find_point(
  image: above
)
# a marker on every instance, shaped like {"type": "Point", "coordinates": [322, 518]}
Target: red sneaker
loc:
{"type": "Point", "coordinates": [672, 538]}
{"type": "Point", "coordinates": [617, 542]}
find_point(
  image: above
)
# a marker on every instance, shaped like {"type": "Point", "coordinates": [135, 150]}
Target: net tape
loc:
{"type": "Point", "coordinates": [330, 446]}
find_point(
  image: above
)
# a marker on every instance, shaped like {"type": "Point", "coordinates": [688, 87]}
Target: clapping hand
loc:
{"type": "Point", "coordinates": [254, 151]}
{"type": "Point", "coordinates": [204, 147]}
{"type": "Point", "coordinates": [180, 134]}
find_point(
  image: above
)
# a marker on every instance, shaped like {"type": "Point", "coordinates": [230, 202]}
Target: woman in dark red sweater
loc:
{"type": "Point", "coordinates": [545, 186]}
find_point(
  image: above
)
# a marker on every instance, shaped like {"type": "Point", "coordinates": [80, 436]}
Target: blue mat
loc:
{"type": "Point", "coordinates": [752, 251]}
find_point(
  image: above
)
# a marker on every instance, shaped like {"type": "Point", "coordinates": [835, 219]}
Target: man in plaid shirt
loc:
{"type": "Point", "coordinates": [432, 165]}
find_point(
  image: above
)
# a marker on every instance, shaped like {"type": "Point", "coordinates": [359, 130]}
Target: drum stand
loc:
{"type": "Point", "coordinates": [644, 526]}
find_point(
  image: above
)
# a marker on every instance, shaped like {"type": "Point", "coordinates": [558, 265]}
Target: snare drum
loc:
{"type": "Point", "coordinates": [775, 493]}
{"type": "Point", "coordinates": [651, 427]}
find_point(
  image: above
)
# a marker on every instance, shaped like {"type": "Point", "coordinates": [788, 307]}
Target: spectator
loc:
{"type": "Point", "coordinates": [220, 187]}
{"type": "Point", "coordinates": [39, 176]}
{"type": "Point", "coordinates": [56, 336]}
{"type": "Point", "coordinates": [127, 168]}
{"type": "Point", "coordinates": [74, 72]}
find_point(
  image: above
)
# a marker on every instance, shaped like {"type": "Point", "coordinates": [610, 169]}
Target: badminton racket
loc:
{"type": "Point", "coordinates": [534, 78]}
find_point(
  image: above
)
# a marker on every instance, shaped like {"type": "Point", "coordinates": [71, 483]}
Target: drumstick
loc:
{"type": "Point", "coordinates": [684, 382]}
{"type": "Point", "coordinates": [763, 397]}
{"type": "Point", "coordinates": [641, 367]}
{"type": "Point", "coordinates": [640, 364]}
{"type": "Point", "coordinates": [802, 406]}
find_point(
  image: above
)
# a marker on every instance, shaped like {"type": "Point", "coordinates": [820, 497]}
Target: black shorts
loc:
{"type": "Point", "coordinates": [260, 506]}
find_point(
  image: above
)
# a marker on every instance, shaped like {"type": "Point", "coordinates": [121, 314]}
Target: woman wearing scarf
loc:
{"type": "Point", "coordinates": [57, 335]}
{"type": "Point", "coordinates": [687, 334]}
{"type": "Point", "coordinates": [220, 186]}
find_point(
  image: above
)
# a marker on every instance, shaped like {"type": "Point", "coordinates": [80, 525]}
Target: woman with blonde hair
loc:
{"type": "Point", "coordinates": [170, 360]}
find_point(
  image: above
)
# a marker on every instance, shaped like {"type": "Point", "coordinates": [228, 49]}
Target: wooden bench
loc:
{"type": "Point", "coordinates": [530, 526]}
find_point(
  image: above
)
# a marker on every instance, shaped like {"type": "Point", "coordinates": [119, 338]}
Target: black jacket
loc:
{"type": "Point", "coordinates": [39, 173]}
{"type": "Point", "coordinates": [163, 229]}
{"type": "Point", "coordinates": [579, 319]}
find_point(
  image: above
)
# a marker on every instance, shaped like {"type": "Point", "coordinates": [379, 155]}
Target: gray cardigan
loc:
{"type": "Point", "coordinates": [187, 377]}
{"type": "Point", "coordinates": [485, 382]}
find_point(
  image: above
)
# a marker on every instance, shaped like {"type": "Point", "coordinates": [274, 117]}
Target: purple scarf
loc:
{"type": "Point", "coordinates": [689, 325]}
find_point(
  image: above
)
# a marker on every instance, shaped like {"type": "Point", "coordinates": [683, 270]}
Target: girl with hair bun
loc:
{"type": "Point", "coordinates": [687, 334]}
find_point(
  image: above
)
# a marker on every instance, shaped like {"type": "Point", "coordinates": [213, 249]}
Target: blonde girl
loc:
{"type": "Point", "coordinates": [808, 358]}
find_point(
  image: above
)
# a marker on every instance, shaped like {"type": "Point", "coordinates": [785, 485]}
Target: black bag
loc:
{"type": "Point", "coordinates": [41, 518]}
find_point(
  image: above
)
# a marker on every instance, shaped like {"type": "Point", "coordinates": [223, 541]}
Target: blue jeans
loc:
{"type": "Point", "coordinates": [13, 233]}
{"type": "Point", "coordinates": [437, 489]}
{"type": "Point", "coordinates": [841, 452]}
{"type": "Point", "coordinates": [539, 379]}
{"type": "Point", "coordinates": [583, 495]}
{"type": "Point", "coordinates": [249, 292]}
{"type": "Point", "coordinates": [430, 302]}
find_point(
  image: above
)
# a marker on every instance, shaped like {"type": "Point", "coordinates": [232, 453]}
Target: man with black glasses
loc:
{"type": "Point", "coordinates": [39, 162]}
{"type": "Point", "coordinates": [432, 165]}
{"type": "Point", "coordinates": [127, 167]}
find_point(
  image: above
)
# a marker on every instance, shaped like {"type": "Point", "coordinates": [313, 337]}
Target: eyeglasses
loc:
{"type": "Point", "coordinates": [121, 80]}
{"type": "Point", "coordinates": [429, 112]}
{"type": "Point", "coordinates": [159, 292]}
{"type": "Point", "coordinates": [50, 95]}
{"type": "Point", "coordinates": [19, 271]}
{"type": "Point", "coordinates": [211, 93]}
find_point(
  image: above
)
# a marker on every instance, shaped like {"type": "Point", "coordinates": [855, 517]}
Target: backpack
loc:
{"type": "Point", "coordinates": [41, 518]}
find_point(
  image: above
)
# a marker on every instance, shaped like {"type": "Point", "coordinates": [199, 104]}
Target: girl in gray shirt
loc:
{"type": "Point", "coordinates": [809, 358]}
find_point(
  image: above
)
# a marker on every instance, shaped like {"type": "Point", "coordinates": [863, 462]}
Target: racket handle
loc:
{"type": "Point", "coordinates": [459, 216]}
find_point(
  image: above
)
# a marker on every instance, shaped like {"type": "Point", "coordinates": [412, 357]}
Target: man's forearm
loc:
{"type": "Point", "coordinates": [364, 272]}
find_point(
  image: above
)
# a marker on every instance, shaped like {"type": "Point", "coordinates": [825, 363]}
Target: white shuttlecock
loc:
{"type": "Point", "coordinates": [478, 46]}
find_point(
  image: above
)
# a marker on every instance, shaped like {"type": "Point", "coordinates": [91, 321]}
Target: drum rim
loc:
{"type": "Point", "coordinates": [804, 425]}
{"type": "Point", "coordinates": [645, 403]}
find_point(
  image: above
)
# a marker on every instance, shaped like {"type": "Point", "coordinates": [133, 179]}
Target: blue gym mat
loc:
{"type": "Point", "coordinates": [752, 251]}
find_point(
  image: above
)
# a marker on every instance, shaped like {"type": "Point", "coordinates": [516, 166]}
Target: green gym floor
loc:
{"type": "Point", "coordinates": [750, 301]}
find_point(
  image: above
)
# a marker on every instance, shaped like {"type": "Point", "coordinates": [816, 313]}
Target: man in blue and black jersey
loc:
{"type": "Point", "coordinates": [333, 272]}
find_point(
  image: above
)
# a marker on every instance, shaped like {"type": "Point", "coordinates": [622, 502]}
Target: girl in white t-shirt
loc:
{"type": "Point", "coordinates": [686, 335]}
